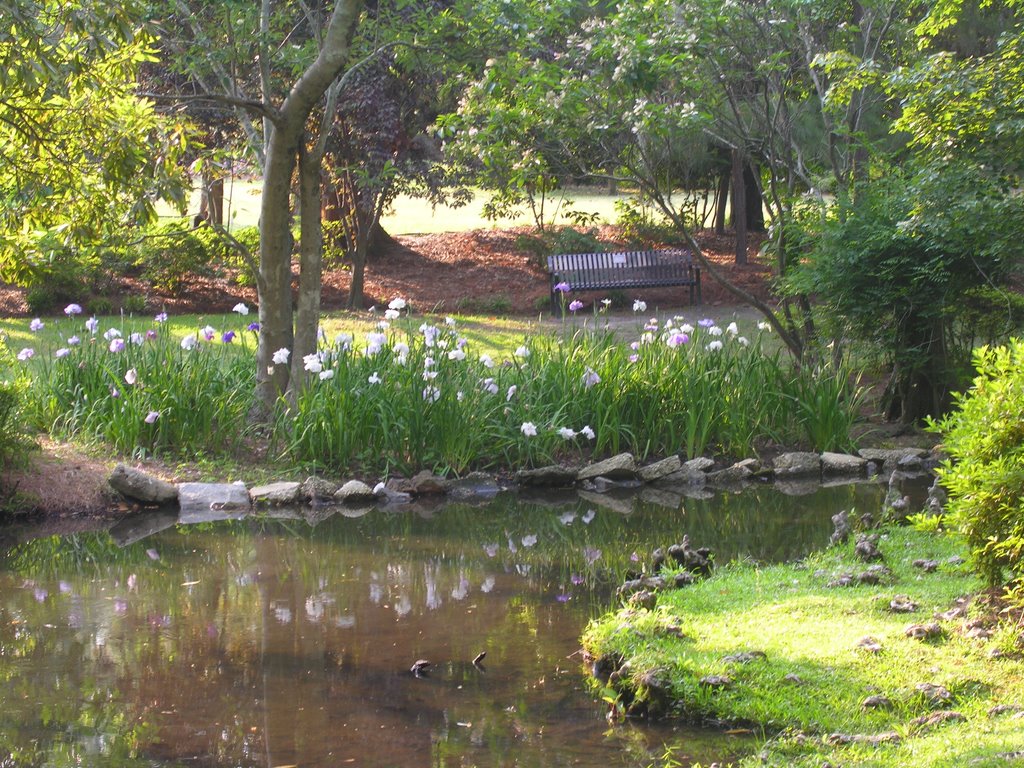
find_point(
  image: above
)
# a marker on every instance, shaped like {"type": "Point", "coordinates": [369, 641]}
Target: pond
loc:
{"type": "Point", "coordinates": [276, 641]}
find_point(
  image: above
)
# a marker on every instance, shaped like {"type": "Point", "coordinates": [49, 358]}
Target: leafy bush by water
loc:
{"type": "Point", "coordinates": [984, 438]}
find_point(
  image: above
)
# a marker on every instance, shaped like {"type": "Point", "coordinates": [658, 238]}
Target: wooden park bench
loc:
{"type": "Point", "coordinates": [623, 269]}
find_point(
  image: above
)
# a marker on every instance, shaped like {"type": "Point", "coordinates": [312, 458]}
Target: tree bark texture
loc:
{"type": "Point", "coordinates": [285, 141]}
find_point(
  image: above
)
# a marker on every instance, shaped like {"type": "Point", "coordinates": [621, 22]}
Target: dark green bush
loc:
{"type": "Point", "coordinates": [170, 252]}
{"type": "Point", "coordinates": [244, 254]}
{"type": "Point", "coordinates": [984, 438]}
{"type": "Point", "coordinates": [564, 240]}
{"type": "Point", "coordinates": [642, 225]}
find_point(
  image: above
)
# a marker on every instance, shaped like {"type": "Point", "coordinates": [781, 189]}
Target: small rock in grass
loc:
{"type": "Point", "coordinates": [955, 560]}
{"type": "Point", "coordinates": [873, 575]}
{"type": "Point", "coordinates": [745, 657]}
{"type": "Point", "coordinates": [978, 633]}
{"type": "Point", "coordinates": [873, 739]}
{"type": "Point", "coordinates": [928, 566]}
{"type": "Point", "coordinates": [1016, 755]}
{"type": "Point", "coordinates": [936, 694]}
{"type": "Point", "coordinates": [841, 522]}
{"type": "Point", "coordinates": [793, 679]}
{"type": "Point", "coordinates": [842, 580]}
{"type": "Point", "coordinates": [936, 718]}
{"type": "Point", "coordinates": [866, 547]}
{"type": "Point", "coordinates": [930, 631]}
{"type": "Point", "coordinates": [953, 613]}
{"type": "Point", "coordinates": [643, 599]}
{"type": "Point", "coordinates": [716, 681]}
{"type": "Point", "coordinates": [902, 604]}
{"type": "Point", "coordinates": [1004, 709]}
{"type": "Point", "coordinates": [869, 644]}
{"type": "Point", "coordinates": [876, 702]}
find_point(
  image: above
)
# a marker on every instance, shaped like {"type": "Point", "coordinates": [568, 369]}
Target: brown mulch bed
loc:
{"type": "Point", "coordinates": [479, 271]}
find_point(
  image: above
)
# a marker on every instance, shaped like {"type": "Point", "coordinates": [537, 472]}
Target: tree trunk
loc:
{"type": "Point", "coordinates": [720, 201]}
{"type": "Point", "coordinates": [211, 200]}
{"type": "Point", "coordinates": [754, 200]}
{"type": "Point", "coordinates": [739, 206]}
{"type": "Point", "coordinates": [311, 250]}
{"type": "Point", "coordinates": [358, 258]}
{"type": "Point", "coordinates": [274, 278]}
{"type": "Point", "coordinates": [380, 243]}
{"type": "Point", "coordinates": [284, 142]}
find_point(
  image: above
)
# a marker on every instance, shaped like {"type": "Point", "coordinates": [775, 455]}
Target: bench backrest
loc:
{"type": "Point", "coordinates": [622, 268]}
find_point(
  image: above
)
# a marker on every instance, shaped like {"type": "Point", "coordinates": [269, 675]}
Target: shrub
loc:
{"type": "Point", "coordinates": [134, 304]}
{"type": "Point", "coordinates": [170, 252]}
{"type": "Point", "coordinates": [244, 254]}
{"type": "Point", "coordinates": [984, 438]}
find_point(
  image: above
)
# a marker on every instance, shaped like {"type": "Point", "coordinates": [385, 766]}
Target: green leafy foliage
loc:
{"type": "Point", "coordinates": [171, 252]}
{"type": "Point", "coordinates": [984, 438]}
{"type": "Point", "coordinates": [893, 266]}
{"type": "Point", "coordinates": [82, 154]}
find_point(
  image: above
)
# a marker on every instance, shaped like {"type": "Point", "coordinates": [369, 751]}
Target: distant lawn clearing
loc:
{"type": "Point", "coordinates": [415, 216]}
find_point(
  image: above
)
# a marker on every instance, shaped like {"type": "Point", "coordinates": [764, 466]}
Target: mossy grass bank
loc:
{"type": "Point", "coordinates": [830, 674]}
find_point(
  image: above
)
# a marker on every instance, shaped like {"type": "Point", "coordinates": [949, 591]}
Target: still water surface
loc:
{"type": "Point", "coordinates": [277, 642]}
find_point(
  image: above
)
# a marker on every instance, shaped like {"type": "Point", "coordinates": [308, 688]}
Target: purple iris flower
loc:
{"type": "Point", "coordinates": [254, 327]}
{"type": "Point", "coordinates": [228, 337]}
{"type": "Point", "coordinates": [562, 287]}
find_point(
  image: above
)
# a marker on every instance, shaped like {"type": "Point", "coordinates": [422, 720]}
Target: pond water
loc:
{"type": "Point", "coordinates": [280, 642]}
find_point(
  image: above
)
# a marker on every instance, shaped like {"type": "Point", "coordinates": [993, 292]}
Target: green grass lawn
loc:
{"type": "Point", "coordinates": [410, 215]}
{"type": "Point", "coordinates": [812, 631]}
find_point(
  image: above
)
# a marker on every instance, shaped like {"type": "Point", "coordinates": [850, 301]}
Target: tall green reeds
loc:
{"type": "Point", "coordinates": [409, 395]}
{"type": "Point", "coordinates": [135, 387]}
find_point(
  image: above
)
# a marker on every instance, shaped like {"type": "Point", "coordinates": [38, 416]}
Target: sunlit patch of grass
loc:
{"type": "Point", "coordinates": [812, 631]}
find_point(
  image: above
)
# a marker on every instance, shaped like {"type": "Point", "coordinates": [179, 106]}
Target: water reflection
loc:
{"type": "Point", "coordinates": [270, 642]}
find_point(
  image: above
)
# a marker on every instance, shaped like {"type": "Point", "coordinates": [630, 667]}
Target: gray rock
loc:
{"type": "Point", "coordinates": [553, 476]}
{"type": "Point", "coordinates": [427, 484]}
{"type": "Point", "coordinates": [843, 464]}
{"type": "Point", "coordinates": [141, 486]}
{"type": "Point", "coordinates": [476, 486]}
{"type": "Point", "coordinates": [659, 469]}
{"type": "Point", "coordinates": [619, 467]}
{"type": "Point", "coordinates": [354, 492]}
{"type": "Point", "coordinates": [684, 478]}
{"type": "Point", "coordinates": [797, 464]}
{"type": "Point", "coordinates": [738, 473]}
{"type": "Point", "coordinates": [700, 464]}
{"type": "Point", "coordinates": [206, 502]}
{"type": "Point", "coordinates": [318, 489]}
{"type": "Point", "coordinates": [278, 494]}
{"type": "Point", "coordinates": [889, 458]}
